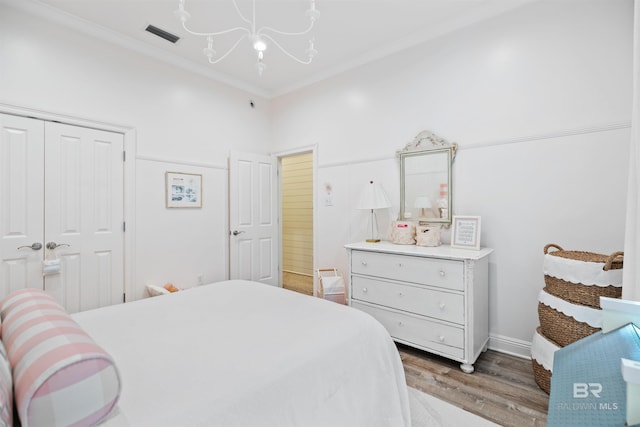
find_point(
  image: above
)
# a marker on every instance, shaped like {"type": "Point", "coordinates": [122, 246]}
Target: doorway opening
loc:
{"type": "Point", "coordinates": [296, 201]}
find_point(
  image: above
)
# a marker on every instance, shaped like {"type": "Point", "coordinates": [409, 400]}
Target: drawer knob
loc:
{"type": "Point", "coordinates": [441, 305]}
{"type": "Point", "coordinates": [400, 294]}
{"type": "Point", "coordinates": [442, 273]}
{"type": "Point", "coordinates": [441, 338]}
{"type": "Point", "coordinates": [364, 262]}
{"type": "Point", "coordinates": [400, 323]}
{"type": "Point", "coordinates": [365, 290]}
{"type": "Point", "coordinates": [399, 264]}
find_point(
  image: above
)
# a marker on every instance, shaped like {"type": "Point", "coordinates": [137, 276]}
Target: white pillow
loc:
{"type": "Point", "coordinates": [156, 290]}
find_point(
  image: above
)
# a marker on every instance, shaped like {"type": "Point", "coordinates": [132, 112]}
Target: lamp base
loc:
{"type": "Point", "coordinates": [372, 240]}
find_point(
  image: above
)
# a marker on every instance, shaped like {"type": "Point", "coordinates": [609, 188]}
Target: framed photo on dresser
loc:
{"type": "Point", "coordinates": [465, 232]}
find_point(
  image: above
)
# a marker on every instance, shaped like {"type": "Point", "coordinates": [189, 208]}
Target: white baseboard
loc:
{"type": "Point", "coordinates": [510, 346]}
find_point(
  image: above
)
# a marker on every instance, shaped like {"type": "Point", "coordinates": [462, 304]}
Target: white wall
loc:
{"type": "Point", "coordinates": [539, 100]}
{"type": "Point", "coordinates": [183, 122]}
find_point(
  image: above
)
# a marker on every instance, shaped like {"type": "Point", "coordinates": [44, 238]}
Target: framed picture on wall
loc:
{"type": "Point", "coordinates": [183, 190]}
{"type": "Point", "coordinates": [465, 232]}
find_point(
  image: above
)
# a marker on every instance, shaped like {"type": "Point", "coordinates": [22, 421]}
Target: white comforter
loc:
{"type": "Point", "coordinates": [239, 353]}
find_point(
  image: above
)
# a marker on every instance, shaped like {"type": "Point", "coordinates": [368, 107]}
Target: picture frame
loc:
{"type": "Point", "coordinates": [465, 232]}
{"type": "Point", "coordinates": [183, 190]}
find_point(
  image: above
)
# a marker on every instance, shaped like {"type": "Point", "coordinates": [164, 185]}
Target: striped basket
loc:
{"type": "Point", "coordinates": [569, 304]}
{"type": "Point", "coordinates": [542, 351]}
{"type": "Point", "coordinates": [582, 277]}
{"type": "Point", "coordinates": [564, 322]}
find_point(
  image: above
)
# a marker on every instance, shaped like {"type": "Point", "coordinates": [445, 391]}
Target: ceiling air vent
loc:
{"type": "Point", "coordinates": [162, 34]}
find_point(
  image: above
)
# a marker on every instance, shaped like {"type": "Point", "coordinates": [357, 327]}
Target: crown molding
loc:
{"type": "Point", "coordinates": [52, 14]}
{"type": "Point", "coordinates": [480, 13]}
{"type": "Point", "coordinates": [57, 16]}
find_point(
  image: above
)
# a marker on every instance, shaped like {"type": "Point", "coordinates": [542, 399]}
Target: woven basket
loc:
{"type": "Point", "coordinates": [542, 376]}
{"type": "Point", "coordinates": [579, 293]}
{"type": "Point", "coordinates": [561, 328]}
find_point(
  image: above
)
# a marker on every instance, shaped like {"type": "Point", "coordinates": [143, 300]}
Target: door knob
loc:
{"type": "Point", "coordinates": [53, 245]}
{"type": "Point", "coordinates": [35, 246]}
{"type": "Point", "coordinates": [236, 232]}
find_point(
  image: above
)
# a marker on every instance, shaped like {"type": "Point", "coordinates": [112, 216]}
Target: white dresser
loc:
{"type": "Point", "coordinates": [431, 298]}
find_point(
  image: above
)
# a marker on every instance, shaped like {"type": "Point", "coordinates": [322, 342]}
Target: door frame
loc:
{"type": "Point", "coordinates": [313, 149]}
{"type": "Point", "coordinates": [129, 186]}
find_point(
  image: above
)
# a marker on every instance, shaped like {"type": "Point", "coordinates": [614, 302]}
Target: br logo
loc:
{"type": "Point", "coordinates": [583, 390]}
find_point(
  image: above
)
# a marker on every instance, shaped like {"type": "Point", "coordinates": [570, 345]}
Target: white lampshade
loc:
{"type": "Point", "coordinates": [373, 197]}
{"type": "Point", "coordinates": [422, 202]}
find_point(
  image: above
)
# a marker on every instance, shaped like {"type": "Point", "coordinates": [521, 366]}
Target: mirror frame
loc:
{"type": "Point", "coordinates": [424, 144]}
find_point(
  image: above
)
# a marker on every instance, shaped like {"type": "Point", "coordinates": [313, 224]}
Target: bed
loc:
{"type": "Point", "coordinates": [240, 353]}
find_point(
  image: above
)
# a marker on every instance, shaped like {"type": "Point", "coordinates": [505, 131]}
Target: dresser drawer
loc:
{"type": "Point", "coordinates": [413, 298]}
{"type": "Point", "coordinates": [444, 339]}
{"type": "Point", "coordinates": [428, 271]}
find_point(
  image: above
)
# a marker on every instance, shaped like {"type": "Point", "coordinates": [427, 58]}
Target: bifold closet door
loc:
{"type": "Point", "coordinates": [84, 209]}
{"type": "Point", "coordinates": [62, 202]}
{"type": "Point", "coordinates": [21, 203]}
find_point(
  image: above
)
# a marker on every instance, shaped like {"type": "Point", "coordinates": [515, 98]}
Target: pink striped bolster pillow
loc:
{"type": "Point", "coordinates": [6, 389]}
{"type": "Point", "coordinates": [61, 376]}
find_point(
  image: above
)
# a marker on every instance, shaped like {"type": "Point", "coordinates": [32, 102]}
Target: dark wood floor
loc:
{"type": "Point", "coordinates": [502, 389]}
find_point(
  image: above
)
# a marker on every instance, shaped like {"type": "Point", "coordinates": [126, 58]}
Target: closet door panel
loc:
{"type": "Point", "coordinates": [84, 208]}
{"type": "Point", "coordinates": [21, 207]}
{"type": "Point", "coordinates": [64, 215]}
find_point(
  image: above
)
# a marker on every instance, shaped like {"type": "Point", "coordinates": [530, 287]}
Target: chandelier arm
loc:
{"type": "Point", "coordinates": [229, 51]}
{"type": "Point", "coordinates": [307, 62]}
{"type": "Point", "coordinates": [240, 13]}
{"type": "Point", "coordinates": [285, 33]}
{"type": "Point", "coordinates": [249, 31]}
{"type": "Point", "coordinates": [218, 33]}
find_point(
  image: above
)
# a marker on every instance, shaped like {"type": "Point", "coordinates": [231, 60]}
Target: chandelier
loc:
{"type": "Point", "coordinates": [259, 37]}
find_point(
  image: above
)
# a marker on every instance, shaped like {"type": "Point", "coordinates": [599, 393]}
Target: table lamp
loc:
{"type": "Point", "coordinates": [422, 203]}
{"type": "Point", "coordinates": [373, 197]}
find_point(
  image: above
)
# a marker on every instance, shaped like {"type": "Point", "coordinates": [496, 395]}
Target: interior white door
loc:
{"type": "Point", "coordinates": [84, 215]}
{"type": "Point", "coordinates": [21, 203]}
{"type": "Point", "coordinates": [61, 199]}
{"type": "Point", "coordinates": [253, 219]}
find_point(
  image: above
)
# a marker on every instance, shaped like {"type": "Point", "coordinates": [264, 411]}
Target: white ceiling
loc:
{"type": "Point", "coordinates": [348, 33]}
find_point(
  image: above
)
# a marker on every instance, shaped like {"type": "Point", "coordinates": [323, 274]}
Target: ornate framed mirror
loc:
{"type": "Point", "coordinates": [425, 179]}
